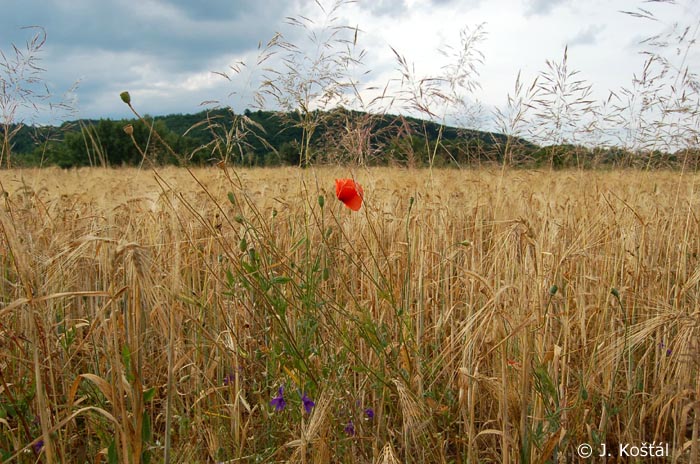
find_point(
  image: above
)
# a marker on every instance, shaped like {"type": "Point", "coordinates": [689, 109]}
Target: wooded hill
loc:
{"type": "Point", "coordinates": [266, 138]}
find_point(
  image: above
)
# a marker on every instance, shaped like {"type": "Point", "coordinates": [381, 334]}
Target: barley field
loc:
{"type": "Point", "coordinates": [221, 315]}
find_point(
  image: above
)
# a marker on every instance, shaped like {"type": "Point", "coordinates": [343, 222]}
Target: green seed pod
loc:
{"type": "Point", "coordinates": [126, 98]}
{"type": "Point", "coordinates": [321, 201]}
{"type": "Point", "coordinates": [553, 290]}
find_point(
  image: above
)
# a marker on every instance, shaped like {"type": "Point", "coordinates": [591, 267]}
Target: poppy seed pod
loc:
{"type": "Point", "coordinates": [129, 129]}
{"type": "Point", "coordinates": [126, 98]}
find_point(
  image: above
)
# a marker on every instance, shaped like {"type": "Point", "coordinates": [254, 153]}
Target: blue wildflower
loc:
{"type": "Point", "coordinates": [350, 428]}
{"type": "Point", "coordinates": [369, 412]}
{"type": "Point", "coordinates": [278, 401]}
{"type": "Point", "coordinates": [669, 351]}
{"type": "Point", "coordinates": [308, 404]}
{"type": "Point", "coordinates": [38, 446]}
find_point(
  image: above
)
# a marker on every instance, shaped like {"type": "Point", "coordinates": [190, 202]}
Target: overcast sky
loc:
{"type": "Point", "coordinates": [166, 52]}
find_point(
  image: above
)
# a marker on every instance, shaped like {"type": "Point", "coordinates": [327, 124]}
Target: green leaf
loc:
{"type": "Point", "coordinates": [359, 369]}
{"type": "Point", "coordinates": [149, 394]}
{"type": "Point", "coordinates": [249, 268]}
{"type": "Point", "coordinates": [112, 457]}
{"type": "Point", "coordinates": [252, 256]}
{"type": "Point", "coordinates": [146, 432]}
{"type": "Point", "coordinates": [280, 280]}
{"type": "Point", "coordinates": [544, 384]}
{"type": "Point", "coordinates": [584, 394]}
{"type": "Point", "coordinates": [297, 244]}
{"type": "Point", "coordinates": [126, 359]}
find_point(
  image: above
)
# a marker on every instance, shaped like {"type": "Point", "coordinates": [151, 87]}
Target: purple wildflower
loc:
{"type": "Point", "coordinates": [369, 412]}
{"type": "Point", "coordinates": [38, 446]}
{"type": "Point", "coordinates": [308, 404]}
{"type": "Point", "coordinates": [350, 428]}
{"type": "Point", "coordinates": [668, 350]}
{"type": "Point", "coordinates": [278, 401]}
{"type": "Point", "coordinates": [229, 379]}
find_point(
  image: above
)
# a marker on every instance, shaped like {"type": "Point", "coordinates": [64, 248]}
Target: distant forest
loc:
{"type": "Point", "coordinates": [266, 138]}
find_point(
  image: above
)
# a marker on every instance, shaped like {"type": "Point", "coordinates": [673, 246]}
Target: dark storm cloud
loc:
{"type": "Point", "coordinates": [226, 9]}
{"type": "Point", "coordinates": [182, 34]}
{"type": "Point", "coordinates": [114, 44]}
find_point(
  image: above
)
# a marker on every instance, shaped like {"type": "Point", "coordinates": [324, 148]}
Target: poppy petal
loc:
{"type": "Point", "coordinates": [349, 192]}
{"type": "Point", "coordinates": [354, 203]}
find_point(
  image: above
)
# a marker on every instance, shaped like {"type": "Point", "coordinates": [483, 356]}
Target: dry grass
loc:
{"type": "Point", "coordinates": [435, 306]}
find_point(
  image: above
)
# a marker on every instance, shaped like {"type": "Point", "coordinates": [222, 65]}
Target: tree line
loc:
{"type": "Point", "coordinates": [267, 138]}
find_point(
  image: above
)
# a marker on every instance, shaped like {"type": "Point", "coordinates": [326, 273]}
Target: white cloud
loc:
{"type": "Point", "coordinates": [542, 7]}
{"type": "Point", "coordinates": [587, 36]}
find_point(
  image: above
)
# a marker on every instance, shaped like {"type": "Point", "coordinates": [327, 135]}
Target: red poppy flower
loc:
{"type": "Point", "coordinates": [349, 192]}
